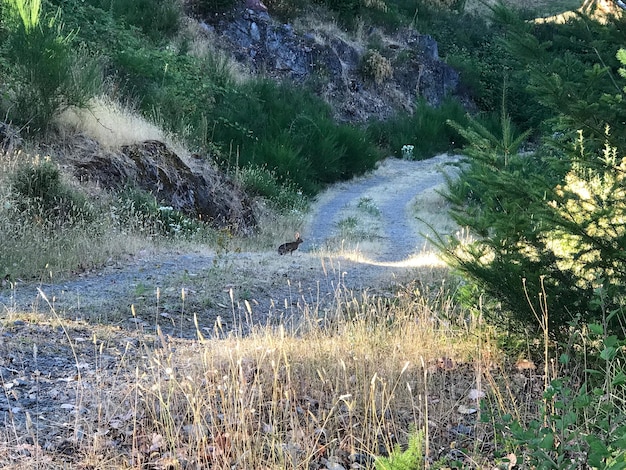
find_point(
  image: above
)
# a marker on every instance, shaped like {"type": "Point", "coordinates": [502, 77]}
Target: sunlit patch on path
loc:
{"type": "Point", "coordinates": [421, 260]}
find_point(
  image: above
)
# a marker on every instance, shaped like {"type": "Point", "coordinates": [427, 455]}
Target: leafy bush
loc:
{"type": "Point", "coordinates": [473, 46]}
{"type": "Point", "coordinates": [168, 86]}
{"type": "Point", "coordinates": [42, 74]}
{"type": "Point", "coordinates": [561, 72]}
{"type": "Point", "coordinates": [175, 90]}
{"type": "Point", "coordinates": [41, 193]}
{"type": "Point", "coordinates": [136, 204]}
{"type": "Point", "coordinates": [157, 19]}
{"type": "Point", "coordinates": [558, 236]}
{"type": "Point", "coordinates": [259, 181]}
{"type": "Point", "coordinates": [580, 425]}
{"type": "Point", "coordinates": [374, 66]}
{"type": "Point", "coordinates": [345, 8]}
{"type": "Point", "coordinates": [291, 132]}
{"type": "Point", "coordinates": [426, 130]}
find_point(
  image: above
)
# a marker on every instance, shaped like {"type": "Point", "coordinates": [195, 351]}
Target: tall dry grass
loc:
{"type": "Point", "coordinates": [339, 389]}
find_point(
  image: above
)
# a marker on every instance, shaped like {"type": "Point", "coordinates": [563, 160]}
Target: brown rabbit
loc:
{"type": "Point", "coordinates": [290, 246]}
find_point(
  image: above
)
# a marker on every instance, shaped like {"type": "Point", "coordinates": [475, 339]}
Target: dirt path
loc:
{"type": "Point", "coordinates": [362, 234]}
{"type": "Point", "coordinates": [392, 196]}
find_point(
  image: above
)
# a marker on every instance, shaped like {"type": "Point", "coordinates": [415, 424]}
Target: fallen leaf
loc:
{"type": "Point", "coordinates": [465, 410]}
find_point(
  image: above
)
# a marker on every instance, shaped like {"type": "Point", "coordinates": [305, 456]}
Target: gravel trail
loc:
{"type": "Point", "coordinates": [274, 287]}
{"type": "Point", "coordinates": [47, 364]}
{"type": "Point", "coordinates": [393, 187]}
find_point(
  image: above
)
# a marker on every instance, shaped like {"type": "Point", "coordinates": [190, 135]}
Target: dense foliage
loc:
{"type": "Point", "coordinates": [550, 224]}
{"type": "Point", "coordinates": [42, 74]}
{"type": "Point", "coordinates": [143, 59]}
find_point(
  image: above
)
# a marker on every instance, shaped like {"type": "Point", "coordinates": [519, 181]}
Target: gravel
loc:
{"type": "Point", "coordinates": [276, 288]}
{"type": "Point", "coordinates": [47, 364]}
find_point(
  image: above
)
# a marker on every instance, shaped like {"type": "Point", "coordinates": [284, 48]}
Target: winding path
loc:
{"type": "Point", "coordinates": [256, 287]}
{"type": "Point", "coordinates": [394, 188]}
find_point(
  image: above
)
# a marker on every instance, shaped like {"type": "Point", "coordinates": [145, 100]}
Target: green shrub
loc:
{"type": "Point", "coordinates": [157, 19]}
{"type": "Point", "coordinates": [41, 193]}
{"type": "Point", "coordinates": [206, 7]}
{"type": "Point", "coordinates": [581, 422]}
{"type": "Point", "coordinates": [559, 72]}
{"type": "Point", "coordinates": [174, 90]}
{"type": "Point", "coordinates": [41, 73]}
{"type": "Point", "coordinates": [376, 67]}
{"type": "Point", "coordinates": [290, 131]}
{"type": "Point", "coordinates": [426, 130]}
{"type": "Point", "coordinates": [410, 459]}
{"type": "Point", "coordinates": [547, 227]}
{"type": "Point", "coordinates": [282, 196]}
{"type": "Point", "coordinates": [138, 205]}
{"type": "Point", "coordinates": [168, 86]}
{"type": "Point", "coordinates": [345, 8]}
{"type": "Point", "coordinates": [551, 223]}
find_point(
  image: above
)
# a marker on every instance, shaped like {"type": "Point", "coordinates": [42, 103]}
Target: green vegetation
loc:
{"type": "Point", "coordinates": [40, 193]}
{"type": "Point", "coordinates": [289, 132]}
{"type": "Point", "coordinates": [411, 458]}
{"type": "Point", "coordinates": [540, 188]}
{"type": "Point", "coordinates": [559, 234]}
{"type": "Point", "coordinates": [155, 19]}
{"type": "Point", "coordinates": [580, 419]}
{"type": "Point", "coordinates": [375, 67]}
{"type": "Point", "coordinates": [283, 196]}
{"type": "Point", "coordinates": [42, 76]}
{"type": "Point", "coordinates": [426, 129]}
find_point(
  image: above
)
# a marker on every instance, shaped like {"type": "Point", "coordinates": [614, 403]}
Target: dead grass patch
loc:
{"type": "Point", "coordinates": [344, 388]}
{"type": "Point", "coordinates": [110, 124]}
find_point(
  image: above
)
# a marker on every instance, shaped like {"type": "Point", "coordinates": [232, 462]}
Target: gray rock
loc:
{"type": "Point", "coordinates": [190, 185]}
{"type": "Point", "coordinates": [278, 51]}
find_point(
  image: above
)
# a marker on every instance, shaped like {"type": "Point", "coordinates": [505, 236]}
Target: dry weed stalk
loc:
{"type": "Point", "coordinates": [338, 389]}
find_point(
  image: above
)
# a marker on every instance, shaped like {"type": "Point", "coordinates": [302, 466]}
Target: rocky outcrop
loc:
{"type": "Point", "coordinates": [256, 5]}
{"type": "Point", "coordinates": [192, 186]}
{"type": "Point", "coordinates": [335, 62]}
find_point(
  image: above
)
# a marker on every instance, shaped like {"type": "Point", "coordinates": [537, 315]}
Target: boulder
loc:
{"type": "Point", "coordinates": [193, 186]}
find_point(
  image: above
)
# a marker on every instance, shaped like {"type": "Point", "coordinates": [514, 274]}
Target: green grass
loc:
{"type": "Point", "coordinates": [290, 132]}
{"type": "Point", "coordinates": [425, 129]}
